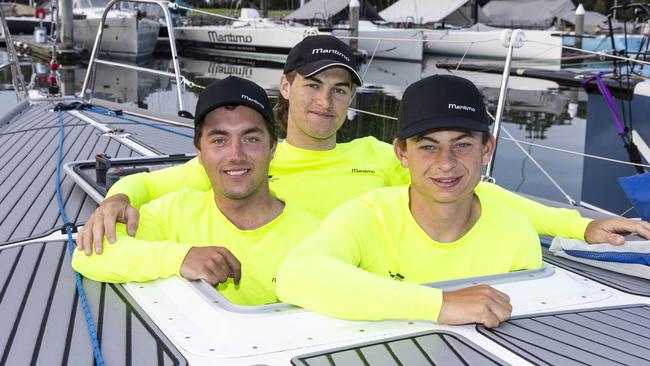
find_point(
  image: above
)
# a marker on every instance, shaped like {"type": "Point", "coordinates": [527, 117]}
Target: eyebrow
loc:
{"type": "Point", "coordinates": [342, 83]}
{"type": "Point", "coordinates": [216, 131]}
{"type": "Point", "coordinates": [431, 139]}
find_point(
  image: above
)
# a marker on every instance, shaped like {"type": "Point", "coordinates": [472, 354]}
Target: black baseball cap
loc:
{"type": "Point", "coordinates": [237, 91]}
{"type": "Point", "coordinates": [439, 102]}
{"type": "Point", "coordinates": [316, 53]}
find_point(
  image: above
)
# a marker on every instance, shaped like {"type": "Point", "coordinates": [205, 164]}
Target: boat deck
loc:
{"type": "Point", "coordinates": [605, 321]}
{"type": "Point", "coordinates": [39, 307]}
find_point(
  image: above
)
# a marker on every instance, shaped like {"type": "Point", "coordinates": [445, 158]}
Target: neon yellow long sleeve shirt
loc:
{"type": "Point", "coordinates": [315, 181]}
{"type": "Point", "coordinates": [319, 181]}
{"type": "Point", "coordinates": [369, 257]}
{"type": "Point", "coordinates": [171, 225]}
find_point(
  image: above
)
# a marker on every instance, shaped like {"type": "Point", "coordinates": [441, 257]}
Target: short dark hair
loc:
{"type": "Point", "coordinates": [198, 127]}
{"type": "Point", "coordinates": [281, 108]}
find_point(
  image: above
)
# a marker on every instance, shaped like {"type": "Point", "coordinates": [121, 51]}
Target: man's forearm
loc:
{"type": "Point", "coordinates": [132, 259]}
{"type": "Point", "coordinates": [332, 287]}
{"type": "Point", "coordinates": [546, 220]}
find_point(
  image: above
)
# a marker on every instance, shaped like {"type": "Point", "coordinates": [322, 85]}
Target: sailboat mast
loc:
{"type": "Point", "coordinates": [475, 11]}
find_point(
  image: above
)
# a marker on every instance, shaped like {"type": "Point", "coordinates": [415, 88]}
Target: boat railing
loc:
{"type": "Point", "coordinates": [17, 78]}
{"type": "Point", "coordinates": [86, 90]}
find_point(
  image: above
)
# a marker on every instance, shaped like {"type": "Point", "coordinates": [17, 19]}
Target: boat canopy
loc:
{"type": "Point", "coordinates": [526, 13]}
{"type": "Point", "coordinates": [333, 10]}
{"type": "Point", "coordinates": [455, 12]}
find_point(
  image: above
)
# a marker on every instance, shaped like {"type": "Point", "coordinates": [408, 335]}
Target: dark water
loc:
{"type": "Point", "coordinates": [536, 111]}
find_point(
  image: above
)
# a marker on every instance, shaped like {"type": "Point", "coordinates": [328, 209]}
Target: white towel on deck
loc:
{"type": "Point", "coordinates": [560, 246]}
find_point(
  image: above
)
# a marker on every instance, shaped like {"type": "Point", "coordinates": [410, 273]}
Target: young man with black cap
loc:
{"type": "Point", "coordinates": [370, 255]}
{"type": "Point", "coordinates": [309, 170]}
{"type": "Point", "coordinates": [312, 170]}
{"type": "Point", "coordinates": [178, 233]}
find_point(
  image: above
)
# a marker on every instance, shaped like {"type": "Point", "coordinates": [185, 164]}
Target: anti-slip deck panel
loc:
{"type": "Point", "coordinates": [602, 336]}
{"type": "Point", "coordinates": [28, 159]}
{"type": "Point", "coordinates": [162, 138]}
{"type": "Point", "coordinates": [426, 348]}
{"type": "Point", "coordinates": [43, 324]}
{"type": "Point", "coordinates": [626, 283]}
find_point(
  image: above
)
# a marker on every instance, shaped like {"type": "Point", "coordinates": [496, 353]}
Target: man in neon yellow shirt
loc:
{"type": "Point", "coordinates": [236, 233]}
{"type": "Point", "coordinates": [438, 228]}
{"type": "Point", "coordinates": [311, 170]}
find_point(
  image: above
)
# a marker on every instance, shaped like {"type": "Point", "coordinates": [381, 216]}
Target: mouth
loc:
{"type": "Point", "coordinates": [236, 172]}
{"type": "Point", "coordinates": [323, 114]}
{"type": "Point", "coordinates": [447, 182]}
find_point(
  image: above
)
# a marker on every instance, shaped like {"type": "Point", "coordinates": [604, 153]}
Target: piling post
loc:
{"type": "Point", "coordinates": [67, 26]}
{"type": "Point", "coordinates": [354, 24]}
{"type": "Point", "coordinates": [580, 26]}
{"type": "Point", "coordinates": [264, 6]}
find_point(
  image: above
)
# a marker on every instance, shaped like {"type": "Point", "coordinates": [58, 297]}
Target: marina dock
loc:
{"type": "Point", "coordinates": [26, 44]}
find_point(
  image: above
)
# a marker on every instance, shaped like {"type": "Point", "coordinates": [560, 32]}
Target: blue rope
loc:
{"type": "Point", "coordinates": [68, 228]}
{"type": "Point", "coordinates": [108, 112]}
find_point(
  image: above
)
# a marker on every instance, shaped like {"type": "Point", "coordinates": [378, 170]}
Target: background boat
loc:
{"type": "Point", "coordinates": [127, 34]}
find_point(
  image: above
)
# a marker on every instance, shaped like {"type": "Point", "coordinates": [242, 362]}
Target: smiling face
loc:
{"type": "Point", "coordinates": [318, 105]}
{"type": "Point", "coordinates": [235, 149]}
{"type": "Point", "coordinates": [445, 165]}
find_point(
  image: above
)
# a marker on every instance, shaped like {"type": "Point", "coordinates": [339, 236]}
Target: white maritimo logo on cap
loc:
{"type": "Point", "coordinates": [244, 96]}
{"type": "Point", "coordinates": [463, 107]}
{"type": "Point", "coordinates": [327, 50]}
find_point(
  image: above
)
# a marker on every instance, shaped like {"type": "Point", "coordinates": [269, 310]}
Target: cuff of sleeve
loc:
{"type": "Point", "coordinates": [578, 227]}
{"type": "Point", "coordinates": [172, 258]}
{"type": "Point", "coordinates": [428, 303]}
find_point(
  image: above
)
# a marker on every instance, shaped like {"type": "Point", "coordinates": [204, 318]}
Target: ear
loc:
{"type": "Point", "coordinates": [274, 145]}
{"type": "Point", "coordinates": [198, 156]}
{"type": "Point", "coordinates": [285, 86]}
{"type": "Point", "coordinates": [488, 149]}
{"type": "Point", "coordinates": [400, 153]}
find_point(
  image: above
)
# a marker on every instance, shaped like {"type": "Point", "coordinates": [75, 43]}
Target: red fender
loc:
{"type": "Point", "coordinates": [39, 13]}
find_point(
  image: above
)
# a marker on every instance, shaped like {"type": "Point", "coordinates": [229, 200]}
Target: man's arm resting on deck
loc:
{"type": "Point", "coordinates": [546, 220]}
{"type": "Point", "coordinates": [132, 259]}
{"type": "Point", "coordinates": [322, 274]}
{"type": "Point", "coordinates": [128, 194]}
{"type": "Point", "coordinates": [568, 223]}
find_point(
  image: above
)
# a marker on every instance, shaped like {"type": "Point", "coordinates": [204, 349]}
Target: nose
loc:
{"type": "Point", "coordinates": [446, 160]}
{"type": "Point", "coordinates": [235, 151]}
{"type": "Point", "coordinates": [324, 98]}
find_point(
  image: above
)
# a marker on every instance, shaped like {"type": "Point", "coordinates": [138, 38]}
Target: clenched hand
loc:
{"type": "Point", "coordinates": [212, 264]}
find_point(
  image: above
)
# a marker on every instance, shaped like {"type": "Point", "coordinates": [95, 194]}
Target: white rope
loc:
{"type": "Point", "coordinates": [464, 54]}
{"type": "Point", "coordinates": [365, 71]}
{"type": "Point", "coordinates": [597, 53]}
{"type": "Point", "coordinates": [373, 114]}
{"type": "Point", "coordinates": [576, 153]}
{"type": "Point", "coordinates": [539, 166]}
{"type": "Point", "coordinates": [191, 84]}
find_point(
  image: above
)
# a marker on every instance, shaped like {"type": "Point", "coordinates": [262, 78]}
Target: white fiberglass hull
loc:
{"type": "Point", "coordinates": [386, 42]}
{"type": "Point", "coordinates": [540, 45]}
{"type": "Point", "coordinates": [123, 37]}
{"type": "Point", "coordinates": [269, 43]}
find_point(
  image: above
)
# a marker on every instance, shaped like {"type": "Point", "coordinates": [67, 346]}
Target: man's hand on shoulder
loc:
{"type": "Point", "coordinates": [613, 230]}
{"type": "Point", "coordinates": [213, 264]}
{"type": "Point", "coordinates": [480, 304]}
{"type": "Point", "coordinates": [113, 209]}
